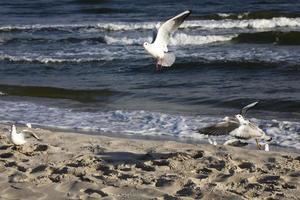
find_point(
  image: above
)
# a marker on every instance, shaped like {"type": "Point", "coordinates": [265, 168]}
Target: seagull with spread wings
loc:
{"type": "Point", "coordinates": [238, 127]}
{"type": "Point", "coordinates": [18, 138]}
{"type": "Point", "coordinates": [158, 48]}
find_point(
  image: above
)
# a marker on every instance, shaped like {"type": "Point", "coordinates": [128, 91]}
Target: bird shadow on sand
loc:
{"type": "Point", "coordinates": [136, 158]}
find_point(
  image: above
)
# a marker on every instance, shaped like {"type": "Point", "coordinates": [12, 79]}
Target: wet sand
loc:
{"type": "Point", "coordinates": [68, 165]}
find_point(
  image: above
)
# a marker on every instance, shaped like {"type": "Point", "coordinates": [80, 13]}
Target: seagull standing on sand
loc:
{"type": "Point", "coordinates": [158, 48]}
{"type": "Point", "coordinates": [238, 127]}
{"type": "Point", "coordinates": [18, 138]}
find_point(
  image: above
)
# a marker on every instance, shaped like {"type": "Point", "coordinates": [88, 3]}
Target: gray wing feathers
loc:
{"type": "Point", "coordinates": [154, 34]}
{"type": "Point", "coordinates": [172, 24]}
{"type": "Point", "coordinates": [245, 109]}
{"type": "Point", "coordinates": [257, 131]}
{"type": "Point", "coordinates": [222, 128]}
{"type": "Point", "coordinates": [31, 133]}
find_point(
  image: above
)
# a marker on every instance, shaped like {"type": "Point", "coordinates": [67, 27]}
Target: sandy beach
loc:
{"type": "Point", "coordinates": [68, 165]}
{"type": "Point", "coordinates": [128, 96]}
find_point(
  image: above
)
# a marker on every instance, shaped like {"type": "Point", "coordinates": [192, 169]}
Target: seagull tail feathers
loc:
{"type": "Point", "coordinates": [168, 60]}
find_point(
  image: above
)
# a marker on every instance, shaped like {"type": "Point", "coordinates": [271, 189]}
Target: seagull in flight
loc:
{"type": "Point", "coordinates": [238, 127]}
{"type": "Point", "coordinates": [18, 138]}
{"type": "Point", "coordinates": [158, 48]}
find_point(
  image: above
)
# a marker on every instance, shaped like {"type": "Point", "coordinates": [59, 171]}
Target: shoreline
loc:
{"type": "Point", "coordinates": [188, 140]}
{"type": "Point", "coordinates": [68, 165]}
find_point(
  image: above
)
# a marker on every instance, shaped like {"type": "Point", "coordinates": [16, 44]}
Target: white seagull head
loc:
{"type": "Point", "coordinates": [13, 129]}
{"type": "Point", "coordinates": [146, 46]}
{"type": "Point", "coordinates": [240, 118]}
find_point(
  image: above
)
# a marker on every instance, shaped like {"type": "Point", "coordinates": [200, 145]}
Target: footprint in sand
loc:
{"type": "Point", "coordinates": [217, 164]}
{"type": "Point", "coordinates": [41, 147]}
{"type": "Point", "coordinates": [39, 168]}
{"type": "Point", "coordinates": [247, 165]}
{"type": "Point", "coordinates": [190, 189]}
{"type": "Point", "coordinates": [269, 179]}
{"type": "Point", "coordinates": [203, 173]}
{"type": "Point", "coordinates": [18, 177]}
{"type": "Point", "coordinates": [144, 167]}
{"type": "Point", "coordinates": [6, 155]}
{"type": "Point", "coordinates": [95, 193]}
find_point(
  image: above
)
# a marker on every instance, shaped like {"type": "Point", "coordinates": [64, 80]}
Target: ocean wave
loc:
{"type": "Point", "coordinates": [240, 60]}
{"type": "Point", "coordinates": [49, 27]}
{"type": "Point", "coordinates": [125, 40]}
{"type": "Point", "coordinates": [210, 24]}
{"type": "Point", "coordinates": [127, 26]}
{"type": "Point", "coordinates": [245, 24]}
{"type": "Point", "coordinates": [276, 37]}
{"type": "Point", "coordinates": [32, 40]}
{"type": "Point", "coordinates": [184, 39]}
{"type": "Point", "coordinates": [233, 59]}
{"type": "Point", "coordinates": [81, 95]}
{"type": "Point", "coordinates": [140, 122]}
{"type": "Point", "coordinates": [247, 15]}
{"type": "Point", "coordinates": [177, 39]}
{"type": "Point", "coordinates": [50, 60]}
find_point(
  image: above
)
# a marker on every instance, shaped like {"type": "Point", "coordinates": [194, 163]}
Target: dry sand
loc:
{"type": "Point", "coordinates": [77, 166]}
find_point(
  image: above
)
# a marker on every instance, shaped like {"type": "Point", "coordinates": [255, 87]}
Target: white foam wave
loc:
{"type": "Point", "coordinates": [245, 24]}
{"type": "Point", "coordinates": [49, 60]}
{"type": "Point", "coordinates": [239, 16]}
{"type": "Point", "coordinates": [204, 24]}
{"type": "Point", "coordinates": [41, 26]}
{"type": "Point", "coordinates": [211, 24]}
{"type": "Point", "coordinates": [119, 26]}
{"type": "Point", "coordinates": [125, 40]}
{"type": "Point", "coordinates": [136, 122]}
{"type": "Point", "coordinates": [224, 14]}
{"type": "Point", "coordinates": [184, 39]}
{"type": "Point", "coordinates": [177, 39]}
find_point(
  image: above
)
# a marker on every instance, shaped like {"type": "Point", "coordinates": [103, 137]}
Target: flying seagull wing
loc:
{"type": "Point", "coordinates": [154, 33]}
{"type": "Point", "coordinates": [166, 29]}
{"type": "Point", "coordinates": [221, 128]}
{"type": "Point", "coordinates": [245, 109]}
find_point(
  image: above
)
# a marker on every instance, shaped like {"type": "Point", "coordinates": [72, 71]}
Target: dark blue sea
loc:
{"type": "Point", "coordinates": [80, 64]}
